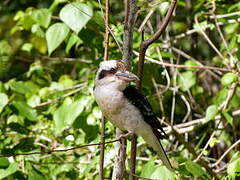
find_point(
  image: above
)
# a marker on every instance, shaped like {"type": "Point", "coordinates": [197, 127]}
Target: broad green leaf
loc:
{"type": "Point", "coordinates": [5, 48]}
{"type": "Point", "coordinates": [163, 173]}
{"type": "Point", "coordinates": [3, 101]}
{"type": "Point", "coordinates": [194, 169]}
{"type": "Point", "coordinates": [4, 162]}
{"type": "Point", "coordinates": [230, 28]}
{"type": "Point", "coordinates": [55, 35]}
{"type": "Point", "coordinates": [33, 175]}
{"type": "Point", "coordinates": [233, 168]}
{"type": "Point", "coordinates": [229, 78]}
{"type": "Point", "coordinates": [67, 113]}
{"type": "Point", "coordinates": [12, 168]}
{"type": "Point", "coordinates": [36, 29]}
{"type": "Point", "coordinates": [72, 40]}
{"type": "Point", "coordinates": [25, 110]}
{"type": "Point", "coordinates": [42, 17]}
{"type": "Point", "coordinates": [211, 112]}
{"type": "Point", "coordinates": [20, 87]}
{"type": "Point", "coordinates": [76, 15]}
{"type": "Point", "coordinates": [34, 100]}
{"type": "Point", "coordinates": [27, 21]}
{"type": "Point", "coordinates": [148, 169]}
{"type": "Point", "coordinates": [186, 80]}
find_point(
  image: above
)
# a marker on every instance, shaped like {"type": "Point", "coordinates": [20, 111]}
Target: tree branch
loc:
{"type": "Point", "coordinates": [146, 43]}
{"type": "Point", "coordinates": [102, 147]}
{"type": "Point", "coordinates": [130, 13]}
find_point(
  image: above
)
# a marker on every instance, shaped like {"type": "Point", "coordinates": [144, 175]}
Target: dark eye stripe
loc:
{"type": "Point", "coordinates": [104, 73]}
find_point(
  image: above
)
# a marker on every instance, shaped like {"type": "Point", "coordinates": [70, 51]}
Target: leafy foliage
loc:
{"type": "Point", "coordinates": [49, 54]}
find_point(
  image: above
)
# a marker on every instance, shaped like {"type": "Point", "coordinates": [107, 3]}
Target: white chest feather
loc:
{"type": "Point", "coordinates": [118, 109]}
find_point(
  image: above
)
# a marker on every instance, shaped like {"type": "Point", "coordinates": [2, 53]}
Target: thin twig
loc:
{"type": "Point", "coordinates": [61, 150]}
{"type": "Point", "coordinates": [109, 29]}
{"type": "Point", "coordinates": [146, 43]}
{"type": "Point", "coordinates": [206, 37]}
{"type": "Point", "coordinates": [226, 152]}
{"type": "Point", "coordinates": [102, 147]}
{"type": "Point", "coordinates": [185, 66]}
{"type": "Point", "coordinates": [208, 26]}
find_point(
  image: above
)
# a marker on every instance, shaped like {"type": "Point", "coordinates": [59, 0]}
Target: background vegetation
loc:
{"type": "Point", "coordinates": [49, 54]}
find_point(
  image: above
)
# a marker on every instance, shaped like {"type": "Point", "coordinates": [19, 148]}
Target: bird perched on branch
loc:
{"type": "Point", "coordinates": [125, 107]}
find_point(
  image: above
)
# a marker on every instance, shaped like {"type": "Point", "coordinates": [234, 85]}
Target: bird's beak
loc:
{"type": "Point", "coordinates": [127, 76]}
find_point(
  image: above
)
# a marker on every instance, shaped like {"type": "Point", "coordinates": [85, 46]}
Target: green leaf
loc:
{"type": "Point", "coordinates": [3, 101]}
{"type": "Point", "coordinates": [148, 169]}
{"type": "Point", "coordinates": [97, 112]}
{"type": "Point", "coordinates": [20, 87]}
{"type": "Point", "coordinates": [34, 100]}
{"type": "Point", "coordinates": [12, 168]}
{"type": "Point", "coordinates": [191, 63]}
{"type": "Point", "coordinates": [66, 114]}
{"type": "Point", "coordinates": [163, 173]}
{"type": "Point", "coordinates": [27, 21]}
{"type": "Point", "coordinates": [72, 40]}
{"type": "Point", "coordinates": [211, 112]}
{"type": "Point", "coordinates": [27, 47]}
{"type": "Point", "coordinates": [186, 80]}
{"type": "Point", "coordinates": [55, 35]}
{"type": "Point", "coordinates": [194, 169]}
{"type": "Point", "coordinates": [229, 78]}
{"type": "Point", "coordinates": [76, 15]}
{"type": "Point", "coordinates": [25, 110]}
{"type": "Point", "coordinates": [228, 117]}
{"type": "Point", "coordinates": [233, 168]}
{"type": "Point", "coordinates": [42, 17]}
{"type": "Point", "coordinates": [4, 162]}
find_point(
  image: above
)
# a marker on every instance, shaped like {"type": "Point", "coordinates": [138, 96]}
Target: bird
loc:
{"type": "Point", "coordinates": [126, 107]}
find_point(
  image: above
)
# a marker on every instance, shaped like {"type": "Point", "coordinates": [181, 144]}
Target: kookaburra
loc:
{"type": "Point", "coordinates": [125, 107]}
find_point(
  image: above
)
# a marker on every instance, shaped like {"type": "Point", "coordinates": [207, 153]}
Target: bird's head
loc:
{"type": "Point", "coordinates": [114, 73]}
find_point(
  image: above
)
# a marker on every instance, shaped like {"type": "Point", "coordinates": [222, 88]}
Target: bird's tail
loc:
{"type": "Point", "coordinates": [163, 156]}
{"type": "Point", "coordinates": [155, 143]}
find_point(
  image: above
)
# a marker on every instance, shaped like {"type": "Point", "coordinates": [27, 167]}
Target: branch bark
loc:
{"type": "Point", "coordinates": [102, 147]}
{"type": "Point", "coordinates": [146, 43]}
{"type": "Point", "coordinates": [130, 12]}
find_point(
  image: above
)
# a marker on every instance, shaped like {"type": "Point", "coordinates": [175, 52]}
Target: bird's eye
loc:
{"type": "Point", "coordinates": [113, 70]}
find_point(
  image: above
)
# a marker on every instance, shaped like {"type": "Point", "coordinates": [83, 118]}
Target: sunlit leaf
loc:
{"type": "Point", "coordinates": [67, 113]}
{"type": "Point", "coordinates": [211, 112]}
{"type": "Point", "coordinates": [186, 80]}
{"type": "Point", "coordinates": [194, 169]}
{"type": "Point", "coordinates": [72, 41]}
{"type": "Point", "coordinates": [229, 78]}
{"type": "Point", "coordinates": [233, 168]}
{"type": "Point", "coordinates": [55, 35]}
{"type": "Point", "coordinates": [148, 169]}
{"type": "Point", "coordinates": [163, 173]}
{"type": "Point", "coordinates": [25, 110]}
{"type": "Point", "coordinates": [42, 17]}
{"type": "Point", "coordinates": [3, 101]}
{"type": "Point", "coordinates": [12, 168]}
{"type": "Point", "coordinates": [76, 15]}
